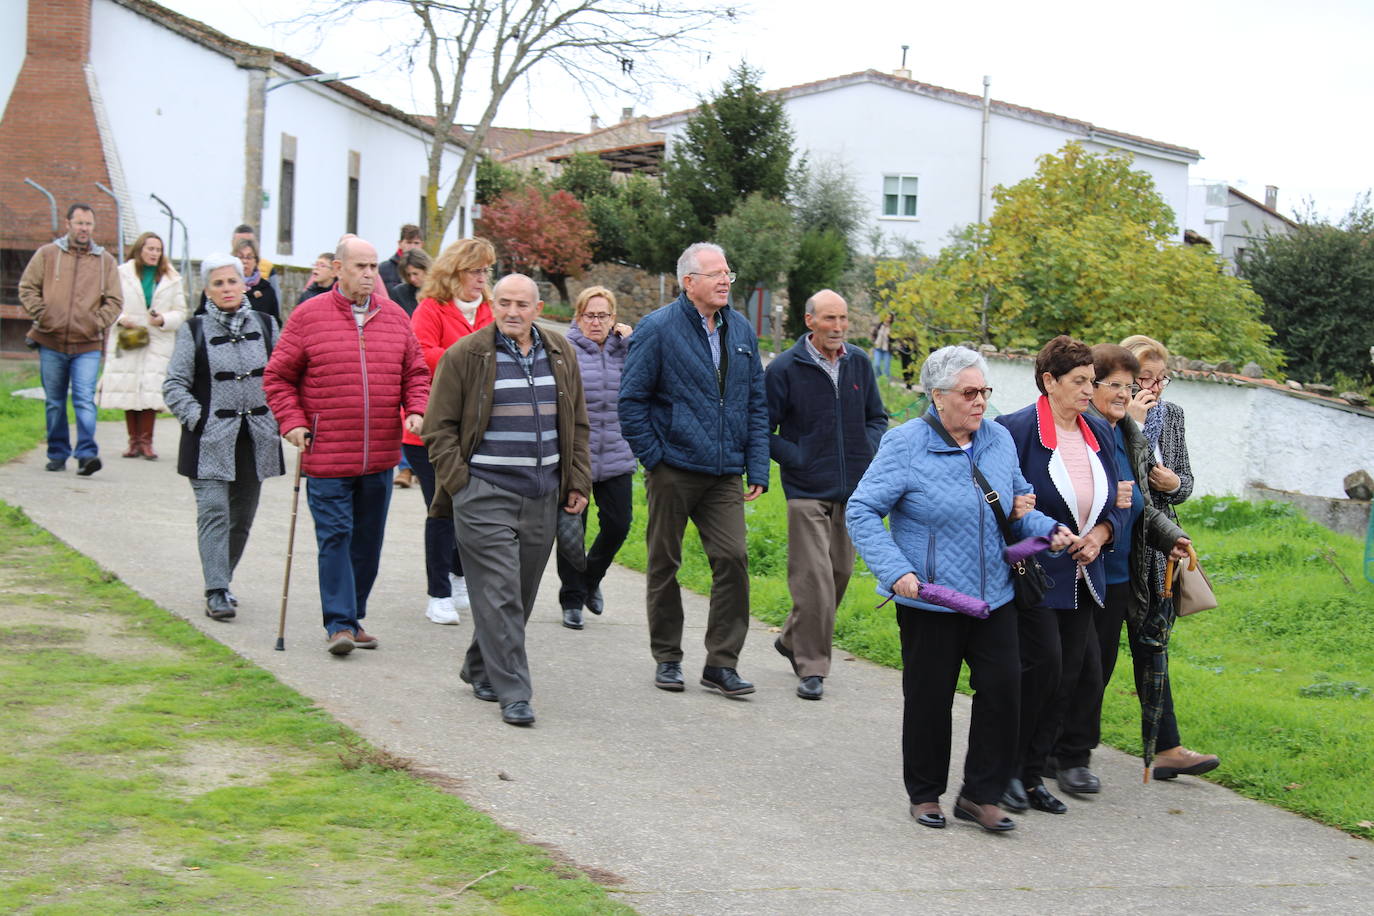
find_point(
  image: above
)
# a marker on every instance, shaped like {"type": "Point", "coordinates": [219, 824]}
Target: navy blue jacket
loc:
{"type": "Point", "coordinates": [826, 435]}
{"type": "Point", "coordinates": [675, 409]}
{"type": "Point", "coordinates": [1032, 429]}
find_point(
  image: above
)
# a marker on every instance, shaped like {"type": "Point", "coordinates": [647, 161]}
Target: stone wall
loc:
{"type": "Point", "coordinates": [1346, 516]}
{"type": "Point", "coordinates": [637, 292]}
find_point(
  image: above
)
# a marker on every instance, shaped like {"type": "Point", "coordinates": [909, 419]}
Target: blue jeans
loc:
{"type": "Point", "coordinates": [350, 519]}
{"type": "Point", "coordinates": [882, 362]}
{"type": "Point", "coordinates": [77, 371]}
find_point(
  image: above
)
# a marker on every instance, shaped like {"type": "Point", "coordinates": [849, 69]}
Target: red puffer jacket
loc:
{"type": "Point", "coordinates": [346, 384]}
{"type": "Point", "coordinates": [438, 326]}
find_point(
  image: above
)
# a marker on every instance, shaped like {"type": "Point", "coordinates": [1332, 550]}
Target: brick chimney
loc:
{"type": "Point", "coordinates": [1271, 196]}
{"type": "Point", "coordinates": [49, 133]}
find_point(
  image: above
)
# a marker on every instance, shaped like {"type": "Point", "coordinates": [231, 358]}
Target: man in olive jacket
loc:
{"type": "Point", "coordinates": [502, 470]}
{"type": "Point", "coordinates": [71, 289]}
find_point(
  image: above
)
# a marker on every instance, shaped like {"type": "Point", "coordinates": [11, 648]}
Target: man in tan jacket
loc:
{"type": "Point", "coordinates": [507, 434]}
{"type": "Point", "coordinates": [71, 288]}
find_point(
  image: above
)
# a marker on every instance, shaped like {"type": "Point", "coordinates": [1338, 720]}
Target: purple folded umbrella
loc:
{"type": "Point", "coordinates": [1015, 553]}
{"type": "Point", "coordinates": [955, 601]}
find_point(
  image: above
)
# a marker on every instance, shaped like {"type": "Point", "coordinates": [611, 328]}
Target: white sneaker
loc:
{"type": "Point", "coordinates": [442, 611]}
{"type": "Point", "coordinates": [459, 586]}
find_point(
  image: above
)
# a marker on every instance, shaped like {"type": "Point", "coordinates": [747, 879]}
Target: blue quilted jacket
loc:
{"type": "Point", "coordinates": [674, 408]}
{"type": "Point", "coordinates": [941, 528]}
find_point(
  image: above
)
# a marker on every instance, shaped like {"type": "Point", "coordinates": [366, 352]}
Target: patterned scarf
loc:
{"type": "Point", "coordinates": [232, 321]}
{"type": "Point", "coordinates": [1154, 424]}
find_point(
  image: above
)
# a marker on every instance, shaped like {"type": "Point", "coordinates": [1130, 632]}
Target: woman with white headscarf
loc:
{"type": "Point", "coordinates": [229, 441]}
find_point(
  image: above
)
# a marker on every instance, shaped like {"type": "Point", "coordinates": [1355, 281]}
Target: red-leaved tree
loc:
{"type": "Point", "coordinates": [533, 229]}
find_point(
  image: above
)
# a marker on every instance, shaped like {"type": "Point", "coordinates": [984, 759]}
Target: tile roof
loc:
{"type": "Point", "coordinates": [964, 98]}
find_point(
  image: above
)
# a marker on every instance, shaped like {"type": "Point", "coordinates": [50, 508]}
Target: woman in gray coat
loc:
{"type": "Point", "coordinates": [601, 345]}
{"type": "Point", "coordinates": [229, 441]}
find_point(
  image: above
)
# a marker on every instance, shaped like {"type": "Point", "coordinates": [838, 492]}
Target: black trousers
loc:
{"type": "Point", "coordinates": [1082, 730]}
{"type": "Point", "coordinates": [614, 498]}
{"type": "Point", "coordinates": [441, 546]}
{"type": "Point", "coordinates": [1055, 665]}
{"type": "Point", "coordinates": [934, 645]}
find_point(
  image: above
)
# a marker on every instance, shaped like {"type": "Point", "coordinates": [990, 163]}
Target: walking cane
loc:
{"type": "Point", "coordinates": [290, 550]}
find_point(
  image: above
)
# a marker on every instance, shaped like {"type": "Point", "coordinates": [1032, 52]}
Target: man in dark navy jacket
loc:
{"type": "Point", "coordinates": [693, 409]}
{"type": "Point", "coordinates": [827, 417]}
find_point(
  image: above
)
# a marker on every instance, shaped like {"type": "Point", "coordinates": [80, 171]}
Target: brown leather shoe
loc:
{"type": "Point", "coordinates": [1179, 761]}
{"type": "Point", "coordinates": [341, 643]}
{"type": "Point", "coordinates": [363, 639]}
{"type": "Point", "coordinates": [404, 478]}
{"type": "Point", "coordinates": [132, 424]}
{"type": "Point", "coordinates": [148, 418]}
{"type": "Point", "coordinates": [989, 817]}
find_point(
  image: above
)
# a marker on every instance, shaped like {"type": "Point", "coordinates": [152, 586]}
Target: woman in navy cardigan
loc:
{"type": "Point", "coordinates": [1061, 452]}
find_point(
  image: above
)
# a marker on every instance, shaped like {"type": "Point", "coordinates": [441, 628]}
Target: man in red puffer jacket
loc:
{"type": "Point", "coordinates": [345, 365]}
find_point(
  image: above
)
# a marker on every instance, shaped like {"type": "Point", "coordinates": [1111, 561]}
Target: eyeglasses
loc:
{"type": "Point", "coordinates": [1116, 388]}
{"type": "Point", "coordinates": [478, 271]}
{"type": "Point", "coordinates": [1150, 382]}
{"type": "Point", "coordinates": [969, 394]}
{"type": "Point", "coordinates": [596, 316]}
{"type": "Point", "coordinates": [728, 275]}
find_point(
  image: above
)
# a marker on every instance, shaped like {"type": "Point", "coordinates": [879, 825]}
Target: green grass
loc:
{"type": "Point", "coordinates": [146, 767]}
{"type": "Point", "coordinates": [1279, 680]}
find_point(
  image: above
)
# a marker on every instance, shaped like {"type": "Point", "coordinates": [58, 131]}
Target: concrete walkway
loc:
{"type": "Point", "coordinates": [698, 804]}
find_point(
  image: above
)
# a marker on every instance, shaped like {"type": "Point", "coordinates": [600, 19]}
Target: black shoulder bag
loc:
{"type": "Point", "coordinates": [1028, 580]}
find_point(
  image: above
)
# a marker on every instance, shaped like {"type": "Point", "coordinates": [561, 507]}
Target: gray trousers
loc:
{"type": "Point", "coordinates": [224, 515]}
{"type": "Point", "coordinates": [716, 506]}
{"type": "Point", "coordinates": [820, 559]}
{"type": "Point", "coordinates": [505, 539]}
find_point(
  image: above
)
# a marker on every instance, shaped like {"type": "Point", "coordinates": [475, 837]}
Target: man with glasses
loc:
{"type": "Point", "coordinates": [824, 407]}
{"type": "Point", "coordinates": [693, 408]}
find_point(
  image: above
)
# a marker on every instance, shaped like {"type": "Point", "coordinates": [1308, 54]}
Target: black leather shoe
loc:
{"type": "Point", "coordinates": [787, 654]}
{"type": "Point", "coordinates": [484, 691]}
{"type": "Point", "coordinates": [811, 688]}
{"type": "Point", "coordinates": [217, 606]}
{"type": "Point", "coordinates": [668, 676]}
{"type": "Point", "coordinates": [1041, 800]}
{"type": "Point", "coordinates": [928, 814]}
{"type": "Point", "coordinates": [572, 618]}
{"type": "Point", "coordinates": [595, 603]}
{"type": "Point", "coordinates": [1015, 796]}
{"type": "Point", "coordinates": [85, 467]}
{"type": "Point", "coordinates": [989, 817]}
{"type": "Point", "coordinates": [518, 713]}
{"type": "Point", "coordinates": [1078, 781]}
{"type": "Point", "coordinates": [726, 680]}
{"type": "Point", "coordinates": [56, 465]}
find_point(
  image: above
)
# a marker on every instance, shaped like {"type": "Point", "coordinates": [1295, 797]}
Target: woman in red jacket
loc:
{"type": "Point", "coordinates": [454, 302]}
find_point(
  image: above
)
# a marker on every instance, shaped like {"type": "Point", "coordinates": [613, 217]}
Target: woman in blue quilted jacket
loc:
{"type": "Point", "coordinates": [943, 532]}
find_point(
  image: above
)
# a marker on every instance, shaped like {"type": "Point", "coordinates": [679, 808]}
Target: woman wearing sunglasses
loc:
{"type": "Point", "coordinates": [944, 532]}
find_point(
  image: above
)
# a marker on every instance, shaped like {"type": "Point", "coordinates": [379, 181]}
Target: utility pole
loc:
{"type": "Point", "coordinates": [984, 337]}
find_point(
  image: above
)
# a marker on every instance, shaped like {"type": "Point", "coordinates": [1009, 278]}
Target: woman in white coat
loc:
{"type": "Point", "coordinates": [135, 365]}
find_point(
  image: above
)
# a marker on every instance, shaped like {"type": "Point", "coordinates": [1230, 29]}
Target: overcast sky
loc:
{"type": "Point", "coordinates": [1269, 92]}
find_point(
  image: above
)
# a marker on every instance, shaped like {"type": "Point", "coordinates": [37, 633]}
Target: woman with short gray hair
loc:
{"type": "Point", "coordinates": [944, 533]}
{"type": "Point", "coordinates": [229, 441]}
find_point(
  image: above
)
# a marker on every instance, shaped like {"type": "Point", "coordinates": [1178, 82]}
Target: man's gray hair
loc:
{"type": "Point", "coordinates": [518, 278]}
{"type": "Point", "coordinates": [811, 303]}
{"type": "Point", "coordinates": [943, 366]}
{"type": "Point", "coordinates": [214, 262]}
{"type": "Point", "coordinates": [689, 263]}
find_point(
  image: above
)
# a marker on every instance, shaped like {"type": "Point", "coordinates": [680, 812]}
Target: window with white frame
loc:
{"type": "Point", "coordinates": [899, 195]}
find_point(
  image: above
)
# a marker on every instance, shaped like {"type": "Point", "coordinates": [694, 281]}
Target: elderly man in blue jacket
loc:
{"type": "Point", "coordinates": [827, 417]}
{"type": "Point", "coordinates": [693, 409]}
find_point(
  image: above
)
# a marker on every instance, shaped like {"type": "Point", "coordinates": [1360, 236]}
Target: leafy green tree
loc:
{"type": "Point", "coordinates": [1317, 283]}
{"type": "Point", "coordinates": [1084, 247]}
{"type": "Point", "coordinates": [494, 179]}
{"type": "Point", "coordinates": [831, 213]}
{"type": "Point", "coordinates": [760, 241]}
{"type": "Point", "coordinates": [821, 263]}
{"type": "Point", "coordinates": [736, 144]}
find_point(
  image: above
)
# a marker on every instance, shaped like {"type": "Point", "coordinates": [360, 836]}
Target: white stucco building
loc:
{"type": "Point", "coordinates": [1232, 221]}
{"type": "Point", "coordinates": [915, 149]}
{"type": "Point", "coordinates": [145, 101]}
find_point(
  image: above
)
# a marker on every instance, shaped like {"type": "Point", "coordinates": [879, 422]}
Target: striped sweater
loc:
{"type": "Point", "coordinates": [519, 450]}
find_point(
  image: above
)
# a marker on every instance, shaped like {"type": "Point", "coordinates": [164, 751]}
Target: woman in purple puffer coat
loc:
{"type": "Point", "coordinates": [601, 345]}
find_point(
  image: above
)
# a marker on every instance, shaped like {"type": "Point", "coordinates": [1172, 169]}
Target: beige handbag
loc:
{"type": "Point", "coordinates": [1193, 590]}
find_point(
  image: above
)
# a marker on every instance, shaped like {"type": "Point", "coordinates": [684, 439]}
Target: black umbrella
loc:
{"type": "Point", "coordinates": [1154, 635]}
